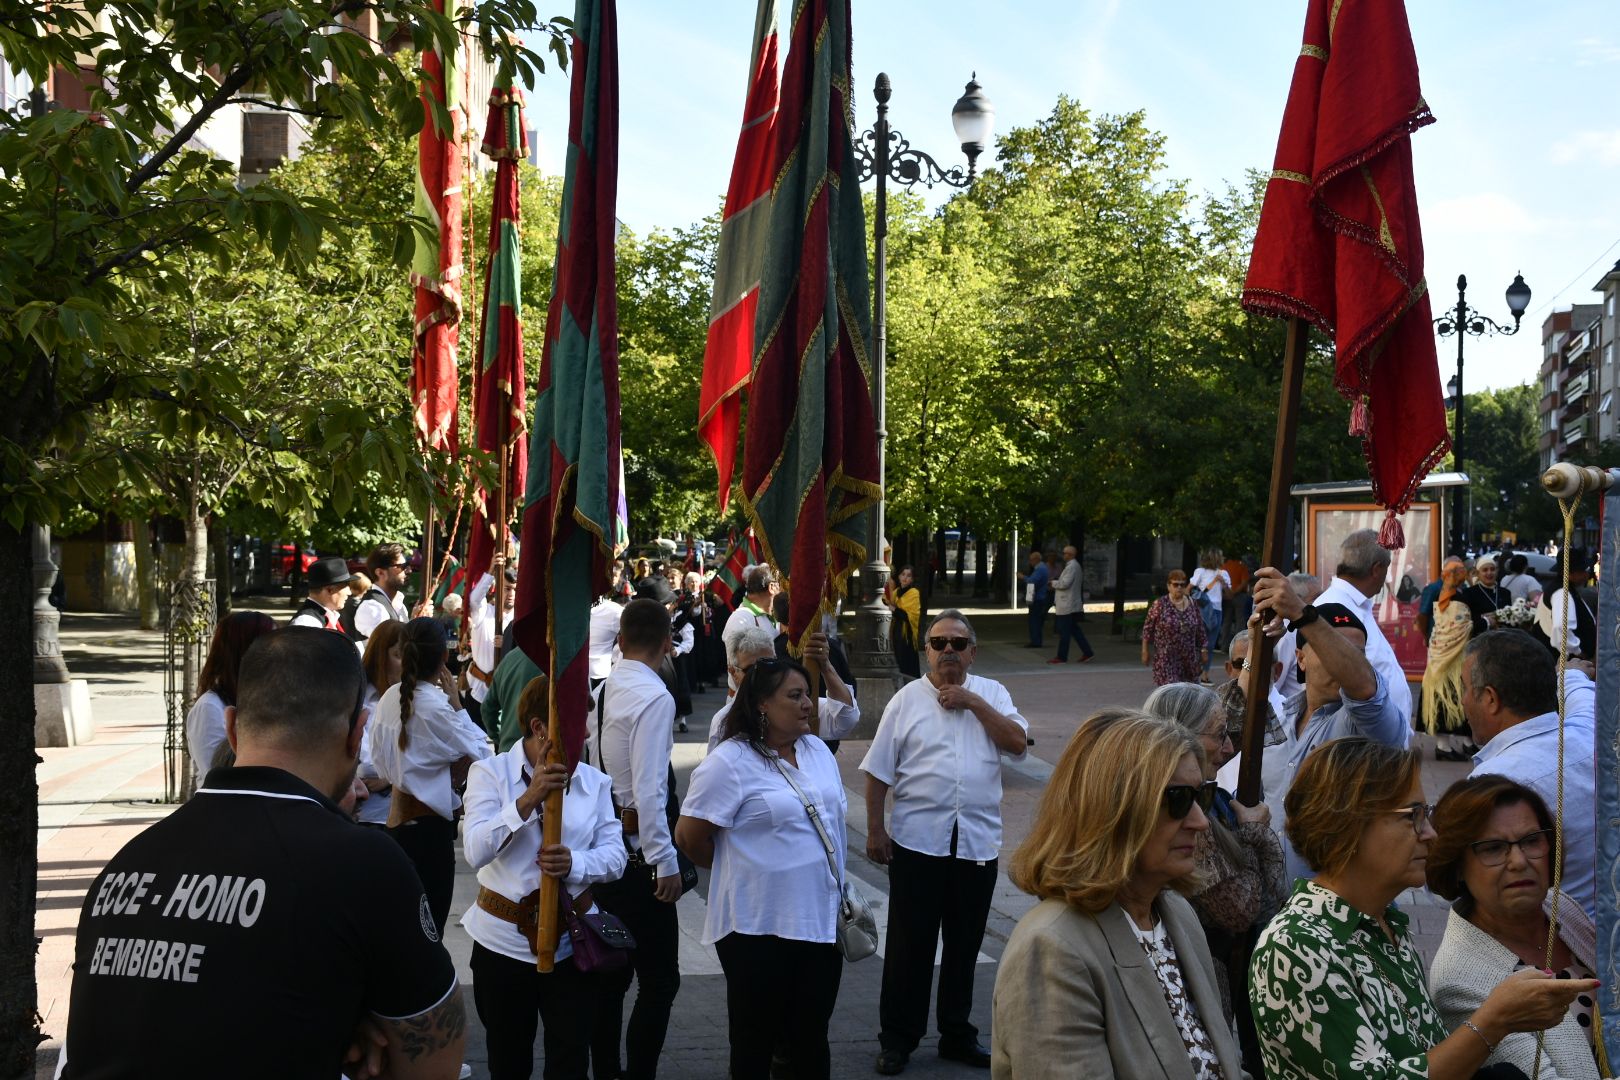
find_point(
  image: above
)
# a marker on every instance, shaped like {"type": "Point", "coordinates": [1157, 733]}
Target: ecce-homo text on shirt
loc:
{"type": "Point", "coordinates": [221, 898]}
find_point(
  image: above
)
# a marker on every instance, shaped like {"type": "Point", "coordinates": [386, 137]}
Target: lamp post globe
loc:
{"type": "Point", "coordinates": [1518, 297]}
{"type": "Point", "coordinates": [974, 119]}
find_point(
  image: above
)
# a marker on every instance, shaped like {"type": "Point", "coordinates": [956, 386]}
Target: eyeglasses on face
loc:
{"type": "Point", "coordinates": [1421, 813]}
{"type": "Point", "coordinates": [960, 644]}
{"type": "Point", "coordinates": [1179, 798]}
{"type": "Point", "coordinates": [1220, 736]}
{"type": "Point", "coordinates": [1174, 584]}
{"type": "Point", "coordinates": [1495, 852]}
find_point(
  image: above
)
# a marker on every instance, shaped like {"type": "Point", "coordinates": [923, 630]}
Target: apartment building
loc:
{"type": "Point", "coordinates": [1577, 386]}
{"type": "Point", "coordinates": [1608, 406]}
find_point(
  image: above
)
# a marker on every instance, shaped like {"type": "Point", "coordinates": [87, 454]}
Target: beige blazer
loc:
{"type": "Point", "coordinates": [1469, 965]}
{"type": "Point", "coordinates": [1076, 996]}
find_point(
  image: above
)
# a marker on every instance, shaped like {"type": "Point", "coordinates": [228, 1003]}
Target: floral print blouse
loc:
{"type": "Point", "coordinates": [1178, 640]}
{"type": "Point", "coordinates": [1332, 996]}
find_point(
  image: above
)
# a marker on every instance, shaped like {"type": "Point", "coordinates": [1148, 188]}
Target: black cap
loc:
{"type": "Point", "coordinates": [655, 588]}
{"type": "Point", "coordinates": [1339, 616]}
{"type": "Point", "coordinates": [329, 571]}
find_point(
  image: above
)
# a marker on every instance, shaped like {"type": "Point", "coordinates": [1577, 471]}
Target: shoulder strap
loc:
{"type": "Point", "coordinates": [815, 818]}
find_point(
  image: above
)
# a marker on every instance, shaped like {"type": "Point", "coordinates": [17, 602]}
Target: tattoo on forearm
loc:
{"type": "Point", "coordinates": [435, 1029]}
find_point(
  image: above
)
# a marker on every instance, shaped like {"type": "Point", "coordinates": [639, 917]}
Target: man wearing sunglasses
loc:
{"type": "Point", "coordinates": [1344, 694]}
{"type": "Point", "coordinates": [939, 747]}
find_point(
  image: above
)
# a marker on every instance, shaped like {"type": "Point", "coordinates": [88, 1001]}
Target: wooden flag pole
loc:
{"type": "Point", "coordinates": [503, 506]}
{"type": "Point", "coordinates": [427, 551]}
{"type": "Point", "coordinates": [1257, 669]}
{"type": "Point", "coordinates": [549, 916]}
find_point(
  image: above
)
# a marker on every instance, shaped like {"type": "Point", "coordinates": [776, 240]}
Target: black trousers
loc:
{"type": "Point", "coordinates": [512, 998]}
{"type": "Point", "coordinates": [430, 841]}
{"type": "Point", "coordinates": [654, 963]}
{"type": "Point", "coordinates": [779, 997]}
{"type": "Point", "coordinates": [932, 898]}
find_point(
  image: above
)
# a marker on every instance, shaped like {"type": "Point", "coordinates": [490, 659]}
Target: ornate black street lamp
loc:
{"type": "Point", "coordinates": [884, 154]}
{"type": "Point", "coordinates": [1463, 321]}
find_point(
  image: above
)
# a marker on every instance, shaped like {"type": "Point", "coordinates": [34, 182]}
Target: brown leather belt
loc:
{"type": "Point", "coordinates": [524, 914]}
{"type": "Point", "coordinates": [631, 821]}
{"type": "Point", "coordinates": [478, 673]}
{"type": "Point", "coordinates": [406, 807]}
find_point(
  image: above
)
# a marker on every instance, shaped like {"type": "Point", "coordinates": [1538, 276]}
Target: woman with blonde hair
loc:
{"type": "Point", "coordinates": [1241, 883]}
{"type": "Point", "coordinates": [381, 664]}
{"type": "Point", "coordinates": [1209, 584]}
{"type": "Point", "coordinates": [1110, 975]}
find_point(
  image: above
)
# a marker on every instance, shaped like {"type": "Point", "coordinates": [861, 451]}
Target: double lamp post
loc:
{"type": "Point", "coordinates": [1463, 321]}
{"type": "Point", "coordinates": [885, 155]}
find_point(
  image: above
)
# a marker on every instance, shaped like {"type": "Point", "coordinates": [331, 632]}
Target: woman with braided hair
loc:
{"type": "Point", "coordinates": [422, 742]}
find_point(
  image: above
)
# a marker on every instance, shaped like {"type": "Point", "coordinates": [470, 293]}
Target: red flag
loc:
{"type": "Point", "coordinates": [436, 267]}
{"type": "Point", "coordinates": [1339, 243]}
{"type": "Point", "coordinates": [729, 354]}
{"type": "Point", "coordinates": [498, 405]}
{"type": "Point", "coordinates": [573, 515]}
{"type": "Point", "coordinates": [810, 467]}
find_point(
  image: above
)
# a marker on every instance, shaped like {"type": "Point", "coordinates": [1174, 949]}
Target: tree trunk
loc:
{"type": "Point", "coordinates": [146, 575]}
{"type": "Point", "coordinates": [981, 568]}
{"type": "Point", "coordinates": [1121, 549]}
{"type": "Point", "coordinates": [19, 808]}
{"type": "Point", "coordinates": [961, 559]}
{"type": "Point", "coordinates": [194, 572]}
{"type": "Point", "coordinates": [939, 562]}
{"type": "Point", "coordinates": [219, 540]}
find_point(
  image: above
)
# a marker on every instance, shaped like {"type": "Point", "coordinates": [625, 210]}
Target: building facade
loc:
{"type": "Point", "coordinates": [1577, 388]}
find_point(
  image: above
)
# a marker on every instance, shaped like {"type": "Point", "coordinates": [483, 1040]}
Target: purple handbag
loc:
{"type": "Point", "coordinates": [602, 942]}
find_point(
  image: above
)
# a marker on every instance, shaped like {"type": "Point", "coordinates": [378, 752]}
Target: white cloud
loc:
{"type": "Point", "coordinates": [1587, 148]}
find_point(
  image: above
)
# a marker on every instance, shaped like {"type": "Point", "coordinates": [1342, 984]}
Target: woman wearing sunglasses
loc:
{"type": "Point", "coordinates": [1494, 859]}
{"type": "Point", "coordinates": [1337, 987]}
{"type": "Point", "coordinates": [1110, 975]}
{"type": "Point", "coordinates": [1240, 860]}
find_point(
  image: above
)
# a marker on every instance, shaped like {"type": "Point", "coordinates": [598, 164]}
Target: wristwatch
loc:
{"type": "Point", "coordinates": [1306, 617]}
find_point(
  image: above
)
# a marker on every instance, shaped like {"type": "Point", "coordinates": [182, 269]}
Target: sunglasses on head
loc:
{"type": "Point", "coordinates": [1179, 798]}
{"type": "Point", "coordinates": [768, 663]}
{"type": "Point", "coordinates": [960, 644]}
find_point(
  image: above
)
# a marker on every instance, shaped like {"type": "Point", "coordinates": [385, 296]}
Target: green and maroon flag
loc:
{"type": "Point", "coordinates": [436, 263]}
{"type": "Point", "coordinates": [498, 406]}
{"type": "Point", "coordinates": [573, 510]}
{"type": "Point", "coordinates": [810, 462]}
{"type": "Point", "coordinates": [728, 354]}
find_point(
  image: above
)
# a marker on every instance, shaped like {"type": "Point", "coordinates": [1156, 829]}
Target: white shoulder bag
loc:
{"type": "Point", "coordinates": [857, 926]}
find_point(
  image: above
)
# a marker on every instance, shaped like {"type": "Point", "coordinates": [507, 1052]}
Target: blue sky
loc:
{"type": "Point", "coordinates": [1521, 173]}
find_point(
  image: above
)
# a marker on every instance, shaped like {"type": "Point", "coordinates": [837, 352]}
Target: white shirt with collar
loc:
{"type": "Point", "coordinates": [637, 738]}
{"type": "Point", "coordinates": [1379, 653]}
{"type": "Point", "coordinates": [837, 719]}
{"type": "Point", "coordinates": [482, 622]}
{"type": "Point", "coordinates": [503, 846]}
{"type": "Point", "coordinates": [944, 768]}
{"type": "Point", "coordinates": [770, 866]}
{"type": "Point", "coordinates": [436, 737]}
{"type": "Point", "coordinates": [307, 618]}
{"type": "Point", "coordinates": [372, 612]}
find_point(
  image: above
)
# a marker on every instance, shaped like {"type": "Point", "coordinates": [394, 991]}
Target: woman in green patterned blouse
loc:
{"type": "Point", "coordinates": [1338, 989]}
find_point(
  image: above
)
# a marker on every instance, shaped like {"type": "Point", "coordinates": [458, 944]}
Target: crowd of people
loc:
{"type": "Point", "coordinates": [1180, 931]}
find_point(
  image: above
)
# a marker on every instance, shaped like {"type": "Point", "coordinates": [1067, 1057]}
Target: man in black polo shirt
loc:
{"type": "Point", "coordinates": [256, 931]}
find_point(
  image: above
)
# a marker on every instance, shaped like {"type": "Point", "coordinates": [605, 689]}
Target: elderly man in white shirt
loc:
{"type": "Point", "coordinates": [837, 712]}
{"type": "Point", "coordinates": [755, 610]}
{"type": "Point", "coordinates": [939, 747]}
{"type": "Point", "coordinates": [631, 742]}
{"type": "Point", "coordinates": [1361, 574]}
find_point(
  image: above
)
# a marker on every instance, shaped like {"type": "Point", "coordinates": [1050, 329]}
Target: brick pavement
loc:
{"type": "Point", "coordinates": [93, 798]}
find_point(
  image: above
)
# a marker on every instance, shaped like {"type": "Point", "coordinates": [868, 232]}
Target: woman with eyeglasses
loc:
{"type": "Point", "coordinates": [1110, 974]}
{"type": "Point", "coordinates": [1337, 987]}
{"type": "Point", "coordinates": [775, 888]}
{"type": "Point", "coordinates": [1240, 860]}
{"type": "Point", "coordinates": [1493, 859]}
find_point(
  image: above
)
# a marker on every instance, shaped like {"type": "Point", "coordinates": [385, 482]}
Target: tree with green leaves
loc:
{"type": "Point", "coordinates": [99, 214]}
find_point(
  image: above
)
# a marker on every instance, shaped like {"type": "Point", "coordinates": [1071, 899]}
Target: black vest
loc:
{"type": "Point", "coordinates": [311, 608]}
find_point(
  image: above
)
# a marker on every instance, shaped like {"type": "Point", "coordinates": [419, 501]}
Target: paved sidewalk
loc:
{"type": "Point", "coordinates": [93, 798]}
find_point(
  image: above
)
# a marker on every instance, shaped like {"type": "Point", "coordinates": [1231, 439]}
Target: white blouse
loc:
{"type": "Point", "coordinates": [374, 811]}
{"type": "Point", "coordinates": [503, 847]}
{"type": "Point", "coordinates": [205, 733]}
{"type": "Point", "coordinates": [770, 867]}
{"type": "Point", "coordinates": [438, 737]}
